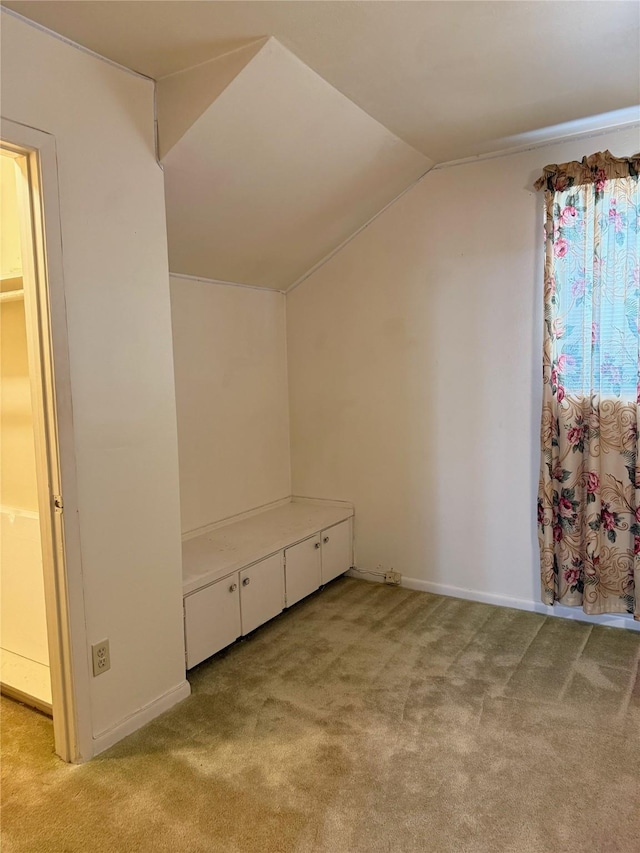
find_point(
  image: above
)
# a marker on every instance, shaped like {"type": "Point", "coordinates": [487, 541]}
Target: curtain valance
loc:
{"type": "Point", "coordinates": [597, 168]}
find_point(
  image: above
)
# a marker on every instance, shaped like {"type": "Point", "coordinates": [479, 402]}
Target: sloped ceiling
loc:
{"type": "Point", "coordinates": [277, 170]}
{"type": "Point", "coordinates": [449, 78]}
{"type": "Point", "coordinates": [183, 97]}
{"type": "Point", "coordinates": [285, 126]}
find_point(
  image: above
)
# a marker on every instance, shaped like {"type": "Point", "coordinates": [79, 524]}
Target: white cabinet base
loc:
{"type": "Point", "coordinates": [302, 569]}
{"type": "Point", "coordinates": [261, 592]}
{"type": "Point", "coordinates": [337, 551]}
{"type": "Point", "coordinates": [231, 585]}
{"type": "Point", "coordinates": [211, 619]}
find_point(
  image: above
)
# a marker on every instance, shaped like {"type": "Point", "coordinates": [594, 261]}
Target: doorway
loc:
{"type": "Point", "coordinates": [42, 595]}
{"type": "Point", "coordinates": [24, 649]}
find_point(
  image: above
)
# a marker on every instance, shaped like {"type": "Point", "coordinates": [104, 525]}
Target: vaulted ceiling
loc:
{"type": "Point", "coordinates": [314, 115]}
{"type": "Point", "coordinates": [276, 171]}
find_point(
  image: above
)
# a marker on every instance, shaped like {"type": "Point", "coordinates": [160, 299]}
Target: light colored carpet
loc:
{"type": "Point", "coordinates": [367, 718]}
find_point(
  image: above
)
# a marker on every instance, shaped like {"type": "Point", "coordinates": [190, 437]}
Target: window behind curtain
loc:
{"type": "Point", "coordinates": [589, 490]}
{"type": "Point", "coordinates": [595, 289]}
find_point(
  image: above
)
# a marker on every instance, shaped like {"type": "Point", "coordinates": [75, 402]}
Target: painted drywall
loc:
{"type": "Point", "coordinates": [415, 378]}
{"type": "Point", "coordinates": [18, 485]}
{"type": "Point", "coordinates": [183, 97]}
{"type": "Point", "coordinates": [275, 173]}
{"type": "Point", "coordinates": [119, 325]}
{"type": "Point", "coordinates": [448, 78]}
{"type": "Point", "coordinates": [10, 252]}
{"type": "Point", "coordinates": [231, 394]}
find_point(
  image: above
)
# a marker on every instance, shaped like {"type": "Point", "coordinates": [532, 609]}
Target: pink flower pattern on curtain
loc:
{"type": "Point", "coordinates": [589, 491]}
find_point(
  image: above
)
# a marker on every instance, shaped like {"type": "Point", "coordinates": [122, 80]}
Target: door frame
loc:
{"type": "Point", "coordinates": [49, 369]}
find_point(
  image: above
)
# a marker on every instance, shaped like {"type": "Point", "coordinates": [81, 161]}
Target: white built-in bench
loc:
{"type": "Point", "coordinates": [241, 573]}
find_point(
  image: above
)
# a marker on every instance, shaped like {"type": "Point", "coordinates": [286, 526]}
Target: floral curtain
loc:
{"type": "Point", "coordinates": [589, 492]}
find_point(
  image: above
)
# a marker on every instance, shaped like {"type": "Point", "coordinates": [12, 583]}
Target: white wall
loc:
{"type": "Point", "coordinates": [231, 393]}
{"type": "Point", "coordinates": [24, 652]}
{"type": "Point", "coordinates": [118, 314]}
{"type": "Point", "coordinates": [18, 481]}
{"type": "Point", "coordinates": [415, 375]}
{"type": "Point", "coordinates": [10, 248]}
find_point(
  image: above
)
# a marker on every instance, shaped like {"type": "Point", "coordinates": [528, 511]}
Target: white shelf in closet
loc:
{"type": "Point", "coordinates": [11, 287]}
{"type": "Point", "coordinates": [11, 295]}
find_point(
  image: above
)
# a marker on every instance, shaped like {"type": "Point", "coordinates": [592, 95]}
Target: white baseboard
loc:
{"type": "Point", "coordinates": [614, 620]}
{"type": "Point", "coordinates": [28, 677]}
{"type": "Point", "coordinates": [138, 719]}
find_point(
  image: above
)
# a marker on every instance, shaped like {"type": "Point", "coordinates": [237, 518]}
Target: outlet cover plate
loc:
{"type": "Point", "coordinates": [101, 657]}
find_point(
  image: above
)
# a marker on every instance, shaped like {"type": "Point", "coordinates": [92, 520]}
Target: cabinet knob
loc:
{"type": "Point", "coordinates": [233, 587]}
{"type": "Point", "coordinates": [326, 539]}
{"type": "Point", "coordinates": [317, 545]}
{"type": "Point", "coordinates": [246, 581]}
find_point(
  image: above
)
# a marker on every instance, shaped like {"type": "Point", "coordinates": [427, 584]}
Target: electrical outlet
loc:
{"type": "Point", "coordinates": [392, 577]}
{"type": "Point", "coordinates": [101, 657]}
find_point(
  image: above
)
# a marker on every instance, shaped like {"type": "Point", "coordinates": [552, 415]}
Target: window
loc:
{"type": "Point", "coordinates": [589, 492]}
{"type": "Point", "coordinates": [593, 280]}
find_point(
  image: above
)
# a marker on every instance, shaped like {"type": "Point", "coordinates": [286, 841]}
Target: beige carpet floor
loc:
{"type": "Point", "coordinates": [367, 718]}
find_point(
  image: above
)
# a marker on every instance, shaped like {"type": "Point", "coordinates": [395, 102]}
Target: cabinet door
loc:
{"type": "Point", "coordinates": [302, 569]}
{"type": "Point", "coordinates": [211, 619]}
{"type": "Point", "coordinates": [261, 592]}
{"type": "Point", "coordinates": [336, 550]}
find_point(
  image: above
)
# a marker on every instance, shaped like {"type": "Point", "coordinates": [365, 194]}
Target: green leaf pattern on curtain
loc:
{"type": "Point", "coordinates": [589, 492]}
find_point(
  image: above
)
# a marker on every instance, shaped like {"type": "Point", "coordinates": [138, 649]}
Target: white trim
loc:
{"type": "Point", "coordinates": [140, 717]}
{"type": "Point", "coordinates": [26, 698]}
{"type": "Point", "coordinates": [288, 387]}
{"type": "Point", "coordinates": [31, 23]}
{"type": "Point", "coordinates": [224, 283]}
{"type": "Point", "coordinates": [615, 620]}
{"type": "Point", "coordinates": [344, 243]}
{"type": "Point", "coordinates": [27, 677]}
{"type": "Point", "coordinates": [45, 312]}
{"type": "Point", "coordinates": [587, 128]}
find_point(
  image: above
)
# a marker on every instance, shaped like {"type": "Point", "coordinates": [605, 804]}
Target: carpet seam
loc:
{"type": "Point", "coordinates": [569, 677]}
{"type": "Point", "coordinates": [529, 644]}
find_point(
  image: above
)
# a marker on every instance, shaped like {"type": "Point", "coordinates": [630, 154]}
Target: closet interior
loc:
{"type": "Point", "coordinates": [24, 652]}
